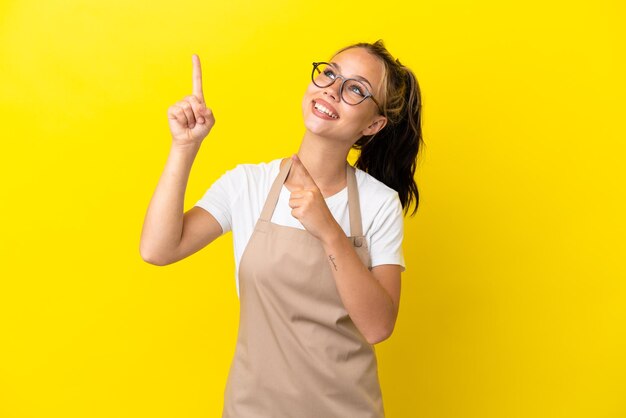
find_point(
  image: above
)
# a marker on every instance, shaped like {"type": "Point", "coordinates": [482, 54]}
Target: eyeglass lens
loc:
{"type": "Point", "coordinates": [353, 92]}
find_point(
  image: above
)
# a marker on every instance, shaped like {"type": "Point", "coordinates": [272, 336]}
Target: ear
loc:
{"type": "Point", "coordinates": [377, 124]}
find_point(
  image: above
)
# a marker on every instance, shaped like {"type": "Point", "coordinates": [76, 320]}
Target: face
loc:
{"type": "Point", "coordinates": [350, 121]}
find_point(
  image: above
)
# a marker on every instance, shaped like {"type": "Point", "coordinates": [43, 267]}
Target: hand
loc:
{"type": "Point", "coordinates": [189, 119]}
{"type": "Point", "coordinates": [308, 204]}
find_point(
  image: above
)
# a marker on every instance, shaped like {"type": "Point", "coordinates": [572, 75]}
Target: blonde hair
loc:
{"type": "Point", "coordinates": [390, 155]}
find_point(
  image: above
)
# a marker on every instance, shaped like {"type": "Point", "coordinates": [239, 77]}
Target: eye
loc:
{"type": "Point", "coordinates": [329, 73]}
{"type": "Point", "coordinates": [356, 89]}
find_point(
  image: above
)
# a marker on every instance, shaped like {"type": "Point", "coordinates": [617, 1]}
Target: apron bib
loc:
{"type": "Point", "coordinates": [298, 353]}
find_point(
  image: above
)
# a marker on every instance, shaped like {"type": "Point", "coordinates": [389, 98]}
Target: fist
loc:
{"type": "Point", "coordinates": [308, 204]}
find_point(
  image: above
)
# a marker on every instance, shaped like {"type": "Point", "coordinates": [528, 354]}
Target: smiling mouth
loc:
{"type": "Point", "coordinates": [321, 108]}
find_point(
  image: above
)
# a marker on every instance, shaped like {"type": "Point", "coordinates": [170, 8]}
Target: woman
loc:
{"type": "Point", "coordinates": [317, 241]}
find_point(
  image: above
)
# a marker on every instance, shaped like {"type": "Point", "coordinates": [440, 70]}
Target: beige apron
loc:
{"type": "Point", "coordinates": [298, 353]}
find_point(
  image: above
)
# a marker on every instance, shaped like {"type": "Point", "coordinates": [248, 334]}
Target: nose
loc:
{"type": "Point", "coordinates": [334, 90]}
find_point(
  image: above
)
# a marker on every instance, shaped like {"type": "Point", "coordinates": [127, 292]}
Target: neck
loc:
{"type": "Point", "coordinates": [325, 159]}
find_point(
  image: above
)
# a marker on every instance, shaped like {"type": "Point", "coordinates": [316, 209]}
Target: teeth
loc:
{"type": "Point", "coordinates": [323, 109]}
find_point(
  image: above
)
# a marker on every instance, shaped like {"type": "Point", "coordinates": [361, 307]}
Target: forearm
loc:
{"type": "Point", "coordinates": [369, 305]}
{"type": "Point", "coordinates": [163, 224]}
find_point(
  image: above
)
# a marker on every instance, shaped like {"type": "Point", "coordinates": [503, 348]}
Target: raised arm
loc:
{"type": "Point", "coordinates": [168, 234]}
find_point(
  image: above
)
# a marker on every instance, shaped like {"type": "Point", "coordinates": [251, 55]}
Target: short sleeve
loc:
{"type": "Point", "coordinates": [387, 234]}
{"type": "Point", "coordinates": [218, 199]}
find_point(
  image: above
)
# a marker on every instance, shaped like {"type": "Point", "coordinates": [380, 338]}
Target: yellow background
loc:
{"type": "Point", "coordinates": [514, 298]}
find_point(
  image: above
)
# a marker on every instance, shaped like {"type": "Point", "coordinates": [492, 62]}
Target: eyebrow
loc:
{"type": "Point", "coordinates": [358, 77]}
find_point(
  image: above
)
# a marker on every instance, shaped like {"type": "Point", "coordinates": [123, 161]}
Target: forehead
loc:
{"type": "Point", "coordinates": [357, 61]}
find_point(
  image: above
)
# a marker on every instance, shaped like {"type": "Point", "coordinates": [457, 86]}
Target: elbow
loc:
{"type": "Point", "coordinates": [384, 330]}
{"type": "Point", "coordinates": [150, 258]}
{"type": "Point", "coordinates": [380, 336]}
{"type": "Point", "coordinates": [153, 261]}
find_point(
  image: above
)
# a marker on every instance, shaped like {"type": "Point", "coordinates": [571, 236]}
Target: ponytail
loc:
{"type": "Point", "coordinates": [390, 155]}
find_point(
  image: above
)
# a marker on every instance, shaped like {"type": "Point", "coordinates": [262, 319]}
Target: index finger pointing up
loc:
{"type": "Point", "coordinates": [197, 78]}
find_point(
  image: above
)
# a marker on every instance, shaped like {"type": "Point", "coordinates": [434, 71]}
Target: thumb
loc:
{"type": "Point", "coordinates": [302, 174]}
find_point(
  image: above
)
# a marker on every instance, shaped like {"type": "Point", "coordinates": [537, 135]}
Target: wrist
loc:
{"type": "Point", "coordinates": [333, 236]}
{"type": "Point", "coordinates": [188, 147]}
{"type": "Point", "coordinates": [186, 151]}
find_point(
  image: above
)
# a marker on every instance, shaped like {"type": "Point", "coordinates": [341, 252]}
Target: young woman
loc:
{"type": "Point", "coordinates": [318, 242]}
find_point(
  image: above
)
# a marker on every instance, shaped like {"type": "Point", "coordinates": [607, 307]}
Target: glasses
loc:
{"type": "Point", "coordinates": [353, 93]}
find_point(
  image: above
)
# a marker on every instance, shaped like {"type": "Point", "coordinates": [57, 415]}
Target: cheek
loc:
{"type": "Point", "coordinates": [311, 91]}
{"type": "Point", "coordinates": [308, 95]}
{"type": "Point", "coordinates": [356, 116]}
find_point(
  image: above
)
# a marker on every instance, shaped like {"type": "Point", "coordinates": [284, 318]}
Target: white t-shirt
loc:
{"type": "Point", "coordinates": [236, 200]}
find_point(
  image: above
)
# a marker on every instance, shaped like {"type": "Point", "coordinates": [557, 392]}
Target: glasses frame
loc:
{"type": "Point", "coordinates": [369, 95]}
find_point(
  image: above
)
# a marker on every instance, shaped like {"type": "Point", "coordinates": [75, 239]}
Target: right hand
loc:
{"type": "Point", "coordinates": [189, 119]}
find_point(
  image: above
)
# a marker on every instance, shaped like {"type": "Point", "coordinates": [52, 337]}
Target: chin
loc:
{"type": "Point", "coordinates": [314, 127]}
{"type": "Point", "coordinates": [311, 122]}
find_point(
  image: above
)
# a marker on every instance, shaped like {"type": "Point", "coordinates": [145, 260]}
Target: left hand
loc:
{"type": "Point", "coordinates": [308, 204]}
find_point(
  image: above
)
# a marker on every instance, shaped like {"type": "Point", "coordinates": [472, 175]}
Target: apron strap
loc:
{"type": "Point", "coordinates": [354, 207]}
{"type": "Point", "coordinates": [272, 197]}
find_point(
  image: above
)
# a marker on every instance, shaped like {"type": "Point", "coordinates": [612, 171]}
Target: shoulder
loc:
{"type": "Point", "coordinates": [374, 192]}
{"type": "Point", "coordinates": [380, 204]}
{"type": "Point", "coordinates": [260, 167]}
{"type": "Point", "coordinates": [253, 179]}
{"type": "Point", "coordinates": [255, 171]}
